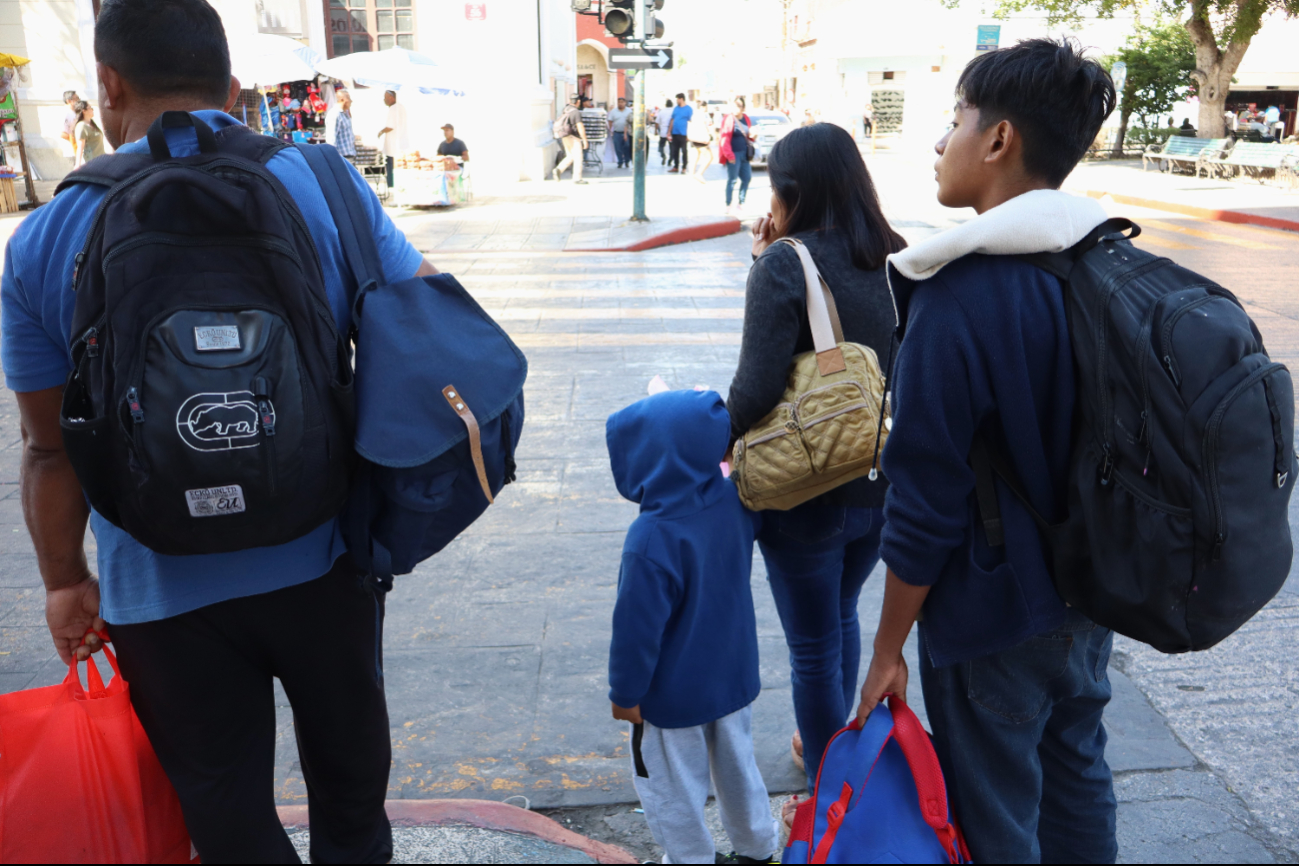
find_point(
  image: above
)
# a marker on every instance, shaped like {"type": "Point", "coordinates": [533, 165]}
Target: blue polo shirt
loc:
{"type": "Point", "coordinates": [36, 305]}
{"type": "Point", "coordinates": [681, 119]}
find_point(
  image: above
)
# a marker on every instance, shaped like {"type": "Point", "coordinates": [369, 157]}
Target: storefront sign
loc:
{"type": "Point", "coordinates": [989, 37]}
{"type": "Point", "coordinates": [475, 11]}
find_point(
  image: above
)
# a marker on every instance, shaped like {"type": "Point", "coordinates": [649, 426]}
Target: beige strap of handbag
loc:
{"type": "Point", "coordinates": [822, 315]}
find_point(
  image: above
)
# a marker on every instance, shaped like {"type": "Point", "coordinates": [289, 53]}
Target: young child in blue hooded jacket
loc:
{"type": "Point", "coordinates": [683, 664]}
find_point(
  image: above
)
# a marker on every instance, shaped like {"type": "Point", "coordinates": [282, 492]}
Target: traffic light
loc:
{"type": "Point", "coordinates": [653, 26]}
{"type": "Point", "coordinates": [620, 20]}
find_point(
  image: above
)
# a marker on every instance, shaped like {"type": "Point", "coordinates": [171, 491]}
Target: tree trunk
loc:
{"type": "Point", "coordinates": [1214, 68]}
{"type": "Point", "coordinates": [1124, 116]}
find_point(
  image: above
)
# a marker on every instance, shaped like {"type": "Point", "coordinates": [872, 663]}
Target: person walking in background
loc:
{"type": "Point", "coordinates": [572, 132]}
{"type": "Point", "coordinates": [681, 115]}
{"type": "Point", "coordinates": [700, 134]}
{"type": "Point", "coordinates": [664, 121]}
{"type": "Point", "coordinates": [683, 659]}
{"type": "Point", "coordinates": [737, 133]}
{"type": "Point", "coordinates": [818, 554]}
{"type": "Point", "coordinates": [344, 137]}
{"type": "Point", "coordinates": [620, 132]}
{"type": "Point", "coordinates": [90, 141]}
{"type": "Point", "coordinates": [68, 135]}
{"type": "Point", "coordinates": [396, 140]}
{"type": "Point", "coordinates": [868, 120]}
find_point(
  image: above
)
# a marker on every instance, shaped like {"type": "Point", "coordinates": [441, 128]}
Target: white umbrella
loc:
{"type": "Point", "coordinates": [391, 69]}
{"type": "Point", "coordinates": [268, 59]}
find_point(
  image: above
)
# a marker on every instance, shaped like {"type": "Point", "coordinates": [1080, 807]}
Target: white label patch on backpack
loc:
{"type": "Point", "coordinates": [216, 338]}
{"type": "Point", "coordinates": [216, 501]}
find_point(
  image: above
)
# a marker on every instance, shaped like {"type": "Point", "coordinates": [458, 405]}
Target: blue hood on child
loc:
{"type": "Point", "coordinates": [665, 451]}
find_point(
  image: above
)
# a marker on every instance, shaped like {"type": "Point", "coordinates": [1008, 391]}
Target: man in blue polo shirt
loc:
{"type": "Point", "coordinates": [201, 637]}
{"type": "Point", "coordinates": [680, 127]}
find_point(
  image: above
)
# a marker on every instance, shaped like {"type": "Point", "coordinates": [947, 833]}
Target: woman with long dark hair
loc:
{"type": "Point", "coordinates": [818, 554]}
{"type": "Point", "coordinates": [88, 138]}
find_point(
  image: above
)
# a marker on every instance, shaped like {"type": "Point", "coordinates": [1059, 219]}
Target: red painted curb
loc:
{"type": "Point", "coordinates": [488, 814]}
{"type": "Point", "coordinates": [702, 232]}
{"type": "Point", "coordinates": [1222, 216]}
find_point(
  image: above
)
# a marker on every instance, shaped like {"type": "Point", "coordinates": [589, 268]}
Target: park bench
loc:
{"type": "Point", "coordinates": [1181, 150]}
{"type": "Point", "coordinates": [1250, 159]}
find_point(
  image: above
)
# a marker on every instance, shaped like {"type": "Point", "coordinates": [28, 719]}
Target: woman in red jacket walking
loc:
{"type": "Point", "coordinates": [737, 132]}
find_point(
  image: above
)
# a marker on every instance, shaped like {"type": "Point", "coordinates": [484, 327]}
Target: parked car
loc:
{"type": "Point", "coordinates": [771, 127]}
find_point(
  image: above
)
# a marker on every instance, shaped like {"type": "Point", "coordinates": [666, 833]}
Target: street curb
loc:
{"type": "Point", "coordinates": [1204, 213]}
{"type": "Point", "coordinates": [701, 232]}
{"type": "Point", "coordinates": [488, 814]}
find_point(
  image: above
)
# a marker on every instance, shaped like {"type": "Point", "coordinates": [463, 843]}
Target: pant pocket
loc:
{"type": "Point", "coordinates": [1014, 683]}
{"type": "Point", "coordinates": [809, 525]}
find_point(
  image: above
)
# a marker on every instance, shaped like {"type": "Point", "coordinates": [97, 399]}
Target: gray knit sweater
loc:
{"type": "Point", "coordinates": [776, 329]}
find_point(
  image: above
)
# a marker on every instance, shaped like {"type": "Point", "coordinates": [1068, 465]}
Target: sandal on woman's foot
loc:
{"type": "Point", "coordinates": [796, 751]}
{"type": "Point", "coordinates": [788, 810]}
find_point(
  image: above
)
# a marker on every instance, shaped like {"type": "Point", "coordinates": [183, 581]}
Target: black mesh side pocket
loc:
{"type": "Point", "coordinates": [86, 440]}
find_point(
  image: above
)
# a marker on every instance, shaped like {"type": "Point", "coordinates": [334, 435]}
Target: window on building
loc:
{"type": "Point", "coordinates": [370, 25]}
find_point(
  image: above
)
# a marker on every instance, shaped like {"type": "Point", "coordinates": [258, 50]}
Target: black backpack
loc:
{"type": "Point", "coordinates": [210, 404]}
{"type": "Point", "coordinates": [1179, 487]}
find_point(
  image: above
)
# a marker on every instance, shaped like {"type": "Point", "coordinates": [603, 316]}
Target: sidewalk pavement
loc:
{"type": "Point", "coordinates": [1244, 202]}
{"type": "Point", "coordinates": [471, 831]}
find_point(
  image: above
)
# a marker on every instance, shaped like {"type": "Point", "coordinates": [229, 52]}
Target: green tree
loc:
{"type": "Point", "coordinates": [1220, 30]}
{"type": "Point", "coordinates": [1160, 61]}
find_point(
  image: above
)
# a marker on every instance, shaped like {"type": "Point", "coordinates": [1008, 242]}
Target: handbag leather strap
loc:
{"type": "Point", "coordinates": [822, 315]}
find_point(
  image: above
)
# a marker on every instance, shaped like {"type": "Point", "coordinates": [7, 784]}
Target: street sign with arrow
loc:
{"type": "Point", "coordinates": [640, 58]}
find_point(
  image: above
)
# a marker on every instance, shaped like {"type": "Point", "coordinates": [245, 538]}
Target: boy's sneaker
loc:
{"type": "Point", "coordinates": [740, 858]}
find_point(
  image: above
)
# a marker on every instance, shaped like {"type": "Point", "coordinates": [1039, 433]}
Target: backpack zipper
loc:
{"type": "Point", "coordinates": [1210, 449]}
{"type": "Point", "coordinates": [1166, 333]}
{"type": "Point", "coordinates": [261, 389]}
{"type": "Point", "coordinates": [268, 242]}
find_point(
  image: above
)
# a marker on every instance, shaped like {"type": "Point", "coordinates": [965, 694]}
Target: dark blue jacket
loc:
{"type": "Point", "coordinates": [685, 638]}
{"type": "Point", "coordinates": [986, 347]}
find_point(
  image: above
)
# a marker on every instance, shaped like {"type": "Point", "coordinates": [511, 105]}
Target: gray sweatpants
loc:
{"type": "Point", "coordinates": [672, 779]}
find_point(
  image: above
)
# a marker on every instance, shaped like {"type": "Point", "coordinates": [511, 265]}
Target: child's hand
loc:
{"type": "Point", "coordinates": [623, 714]}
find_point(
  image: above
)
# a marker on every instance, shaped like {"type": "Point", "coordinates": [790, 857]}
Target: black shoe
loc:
{"type": "Point", "coordinates": [739, 858]}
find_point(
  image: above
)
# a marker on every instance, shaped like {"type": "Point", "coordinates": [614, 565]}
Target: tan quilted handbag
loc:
{"type": "Point", "coordinates": [827, 426]}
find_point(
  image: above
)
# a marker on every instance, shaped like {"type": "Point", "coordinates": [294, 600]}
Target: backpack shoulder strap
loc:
{"type": "Point", "coordinates": [243, 142]}
{"type": "Point", "coordinates": [333, 174]}
{"type": "Point", "coordinates": [1061, 264]}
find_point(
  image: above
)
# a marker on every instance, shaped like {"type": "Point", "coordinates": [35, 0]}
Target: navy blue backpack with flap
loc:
{"type": "Point", "coordinates": [439, 399]}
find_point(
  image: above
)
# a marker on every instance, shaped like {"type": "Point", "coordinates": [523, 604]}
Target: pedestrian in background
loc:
{"type": "Point", "coordinates": [68, 135]}
{"type": "Point", "coordinates": [572, 132]}
{"type": "Point", "coordinates": [664, 121]}
{"type": "Point", "coordinates": [683, 659]}
{"type": "Point", "coordinates": [620, 132]}
{"type": "Point", "coordinates": [700, 135]}
{"type": "Point", "coordinates": [737, 133]}
{"type": "Point", "coordinates": [818, 554]}
{"type": "Point", "coordinates": [396, 140]}
{"type": "Point", "coordinates": [344, 137]}
{"type": "Point", "coordinates": [90, 141]}
{"type": "Point", "coordinates": [681, 115]}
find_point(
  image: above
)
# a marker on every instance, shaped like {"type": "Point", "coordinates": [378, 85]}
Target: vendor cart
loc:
{"type": "Point", "coordinates": [596, 123]}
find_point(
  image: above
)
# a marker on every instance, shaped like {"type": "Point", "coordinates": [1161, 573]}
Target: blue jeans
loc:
{"type": "Point", "coordinates": [1020, 739]}
{"type": "Point", "coordinates": [818, 557]}
{"type": "Point", "coordinates": [622, 147]}
{"type": "Point", "coordinates": [741, 169]}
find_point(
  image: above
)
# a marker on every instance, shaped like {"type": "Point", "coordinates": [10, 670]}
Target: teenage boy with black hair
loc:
{"type": "Point", "coordinates": [1014, 680]}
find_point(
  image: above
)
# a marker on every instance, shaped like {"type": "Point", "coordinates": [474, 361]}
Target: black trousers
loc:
{"type": "Point", "coordinates": [680, 151]}
{"type": "Point", "coordinates": [391, 164]}
{"type": "Point", "coordinates": [663, 148]}
{"type": "Point", "coordinates": [201, 684]}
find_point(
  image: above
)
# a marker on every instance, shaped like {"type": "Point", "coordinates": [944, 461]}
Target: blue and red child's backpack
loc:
{"type": "Point", "coordinates": [880, 798]}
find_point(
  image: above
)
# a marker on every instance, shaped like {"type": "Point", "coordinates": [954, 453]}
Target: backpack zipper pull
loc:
{"type": "Point", "coordinates": [261, 391]}
{"type": "Point", "coordinates": [76, 268]}
{"type": "Point", "coordinates": [1168, 365]}
{"type": "Point", "coordinates": [91, 339]}
{"type": "Point", "coordinates": [1217, 547]}
{"type": "Point", "coordinates": [133, 403]}
{"type": "Point", "coordinates": [1107, 467]}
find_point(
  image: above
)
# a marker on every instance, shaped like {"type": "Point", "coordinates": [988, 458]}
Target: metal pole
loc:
{"type": "Point", "coordinates": [638, 127]}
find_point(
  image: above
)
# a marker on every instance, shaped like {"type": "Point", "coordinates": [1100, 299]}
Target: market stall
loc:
{"type": "Point", "coordinates": [13, 152]}
{"type": "Point", "coordinates": [419, 181]}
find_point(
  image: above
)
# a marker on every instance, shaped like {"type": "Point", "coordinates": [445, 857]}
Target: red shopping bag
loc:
{"type": "Point", "coordinates": [79, 781]}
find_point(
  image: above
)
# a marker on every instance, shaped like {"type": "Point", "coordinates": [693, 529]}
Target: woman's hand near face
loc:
{"type": "Point", "coordinates": [764, 234]}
